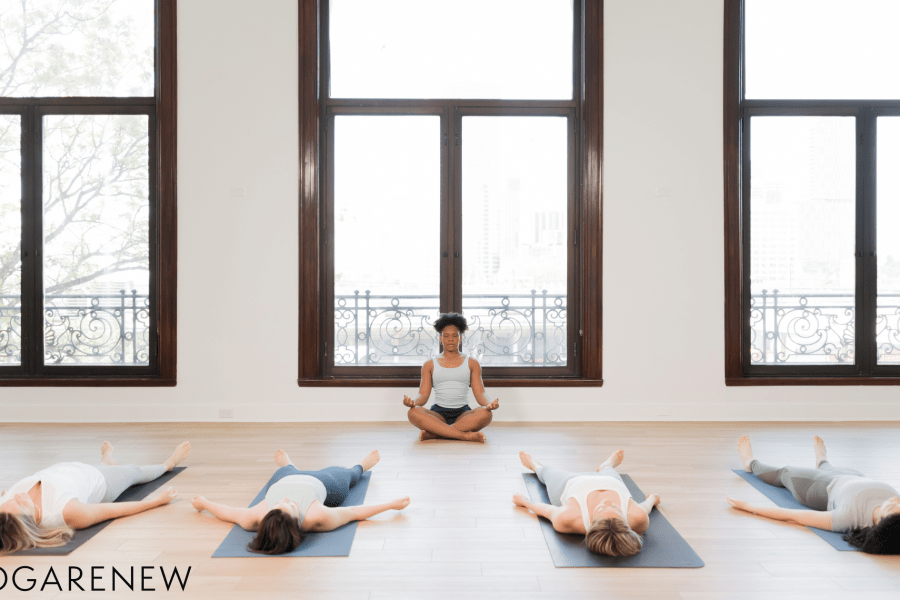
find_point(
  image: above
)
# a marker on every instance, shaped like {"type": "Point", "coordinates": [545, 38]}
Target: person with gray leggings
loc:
{"type": "Point", "coordinates": [596, 504]}
{"type": "Point", "coordinates": [44, 509]}
{"type": "Point", "coordinates": [842, 499]}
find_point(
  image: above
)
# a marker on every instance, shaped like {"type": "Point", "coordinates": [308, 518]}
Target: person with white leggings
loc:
{"type": "Point", "coordinates": [597, 505]}
{"type": "Point", "coordinates": [44, 509]}
{"type": "Point", "coordinates": [842, 500]}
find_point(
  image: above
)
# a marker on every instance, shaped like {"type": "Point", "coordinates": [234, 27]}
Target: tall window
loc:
{"type": "Point", "coordinates": [87, 192]}
{"type": "Point", "coordinates": [450, 144]}
{"type": "Point", "coordinates": [812, 195]}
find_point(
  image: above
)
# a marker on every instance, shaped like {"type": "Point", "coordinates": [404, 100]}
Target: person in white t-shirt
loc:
{"type": "Point", "coordinates": [597, 505]}
{"type": "Point", "coordinates": [43, 510]}
{"type": "Point", "coordinates": [842, 499]}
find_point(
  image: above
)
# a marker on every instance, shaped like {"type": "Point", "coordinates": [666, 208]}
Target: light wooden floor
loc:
{"type": "Point", "coordinates": [462, 537]}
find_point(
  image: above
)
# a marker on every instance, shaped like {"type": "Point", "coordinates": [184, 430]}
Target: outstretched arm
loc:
{"type": "Point", "coordinates": [808, 518]}
{"type": "Point", "coordinates": [327, 519]}
{"type": "Point", "coordinates": [648, 504]}
{"type": "Point", "coordinates": [424, 387]}
{"type": "Point", "coordinates": [79, 515]}
{"type": "Point", "coordinates": [548, 511]}
{"type": "Point", "coordinates": [246, 518]}
{"type": "Point", "coordinates": [478, 387]}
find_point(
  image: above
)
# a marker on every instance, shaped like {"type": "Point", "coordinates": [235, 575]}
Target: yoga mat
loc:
{"type": "Point", "coordinates": [135, 492]}
{"type": "Point", "coordinates": [663, 546]}
{"type": "Point", "coordinates": [783, 498]}
{"type": "Point", "coordinates": [328, 543]}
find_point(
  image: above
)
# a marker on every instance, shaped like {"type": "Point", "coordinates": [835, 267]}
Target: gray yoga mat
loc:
{"type": "Point", "coordinates": [135, 492]}
{"type": "Point", "coordinates": [783, 498]}
{"type": "Point", "coordinates": [663, 546]}
{"type": "Point", "coordinates": [328, 543]}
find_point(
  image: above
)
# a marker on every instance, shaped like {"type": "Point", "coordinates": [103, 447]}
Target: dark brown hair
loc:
{"type": "Point", "coordinates": [883, 538]}
{"type": "Point", "coordinates": [278, 533]}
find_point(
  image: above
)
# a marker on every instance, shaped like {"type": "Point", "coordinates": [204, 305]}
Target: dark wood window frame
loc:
{"type": "Point", "coordinates": [737, 114]}
{"type": "Point", "coordinates": [585, 274]}
{"type": "Point", "coordinates": [162, 113]}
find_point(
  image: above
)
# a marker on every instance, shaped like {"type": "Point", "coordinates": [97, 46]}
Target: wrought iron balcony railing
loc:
{"type": "Point", "coordinates": [817, 328]}
{"type": "Point", "coordinates": [85, 329]}
{"type": "Point", "coordinates": [527, 330]}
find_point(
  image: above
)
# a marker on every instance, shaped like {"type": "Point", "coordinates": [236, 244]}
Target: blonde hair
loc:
{"type": "Point", "coordinates": [20, 532]}
{"type": "Point", "coordinates": [613, 537]}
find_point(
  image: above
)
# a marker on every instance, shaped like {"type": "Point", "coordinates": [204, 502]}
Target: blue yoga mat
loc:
{"type": "Point", "coordinates": [135, 492]}
{"type": "Point", "coordinates": [783, 498]}
{"type": "Point", "coordinates": [328, 543]}
{"type": "Point", "coordinates": [663, 546]}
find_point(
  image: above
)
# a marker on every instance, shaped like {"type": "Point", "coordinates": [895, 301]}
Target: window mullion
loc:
{"type": "Point", "coordinates": [455, 222]}
{"type": "Point", "coordinates": [865, 245]}
{"type": "Point", "coordinates": [31, 226]}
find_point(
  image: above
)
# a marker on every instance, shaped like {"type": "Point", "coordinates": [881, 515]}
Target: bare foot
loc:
{"type": "Point", "coordinates": [473, 436]}
{"type": "Point", "coordinates": [427, 435]}
{"type": "Point", "coordinates": [282, 459]}
{"type": "Point", "coordinates": [181, 452]}
{"type": "Point", "coordinates": [528, 461]}
{"type": "Point", "coordinates": [370, 460]}
{"type": "Point", "coordinates": [614, 460]}
{"type": "Point", "coordinates": [819, 447]}
{"type": "Point", "coordinates": [106, 451]}
{"type": "Point", "coordinates": [745, 451]}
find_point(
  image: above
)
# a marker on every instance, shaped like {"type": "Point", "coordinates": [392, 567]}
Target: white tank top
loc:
{"type": "Point", "coordinates": [579, 488]}
{"type": "Point", "coordinates": [451, 385]}
{"type": "Point", "coordinates": [302, 489]}
{"type": "Point", "coordinates": [59, 484]}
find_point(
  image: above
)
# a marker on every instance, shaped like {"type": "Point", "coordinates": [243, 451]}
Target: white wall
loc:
{"type": "Point", "coordinates": [237, 305]}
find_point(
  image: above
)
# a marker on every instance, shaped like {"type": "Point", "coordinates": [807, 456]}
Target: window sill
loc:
{"type": "Point", "coordinates": [414, 382]}
{"type": "Point", "coordinates": [87, 382]}
{"type": "Point", "coordinates": [835, 381]}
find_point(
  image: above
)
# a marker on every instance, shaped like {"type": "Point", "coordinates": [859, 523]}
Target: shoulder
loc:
{"type": "Point", "coordinates": [637, 518]}
{"type": "Point", "coordinates": [474, 365]}
{"type": "Point", "coordinates": [316, 516]}
{"type": "Point", "coordinates": [429, 365]}
{"type": "Point", "coordinates": [568, 519]}
{"type": "Point", "coordinates": [73, 514]}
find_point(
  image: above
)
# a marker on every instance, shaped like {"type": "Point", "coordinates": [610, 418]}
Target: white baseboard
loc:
{"type": "Point", "coordinates": [510, 412]}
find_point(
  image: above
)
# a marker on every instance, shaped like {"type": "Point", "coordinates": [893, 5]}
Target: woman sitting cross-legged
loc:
{"type": "Point", "coordinates": [451, 375]}
{"type": "Point", "coordinates": [43, 510]}
{"type": "Point", "coordinates": [597, 505]}
{"type": "Point", "coordinates": [297, 502]}
{"type": "Point", "coordinates": [842, 500]}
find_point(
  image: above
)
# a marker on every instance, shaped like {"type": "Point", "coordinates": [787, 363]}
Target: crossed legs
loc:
{"type": "Point", "coordinates": [466, 428]}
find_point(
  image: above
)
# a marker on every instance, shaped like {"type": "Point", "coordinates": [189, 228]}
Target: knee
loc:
{"type": "Point", "coordinates": [487, 416]}
{"type": "Point", "coordinates": [413, 412]}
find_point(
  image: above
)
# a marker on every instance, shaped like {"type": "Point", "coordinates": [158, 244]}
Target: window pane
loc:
{"type": "Point", "coordinates": [887, 324]}
{"type": "Point", "coordinates": [387, 202]}
{"type": "Point", "coordinates": [96, 239]}
{"type": "Point", "coordinates": [802, 240]}
{"type": "Point", "coordinates": [10, 240]}
{"type": "Point", "coordinates": [76, 48]}
{"type": "Point", "coordinates": [515, 198]}
{"type": "Point", "coordinates": [822, 49]}
{"type": "Point", "coordinates": [464, 49]}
